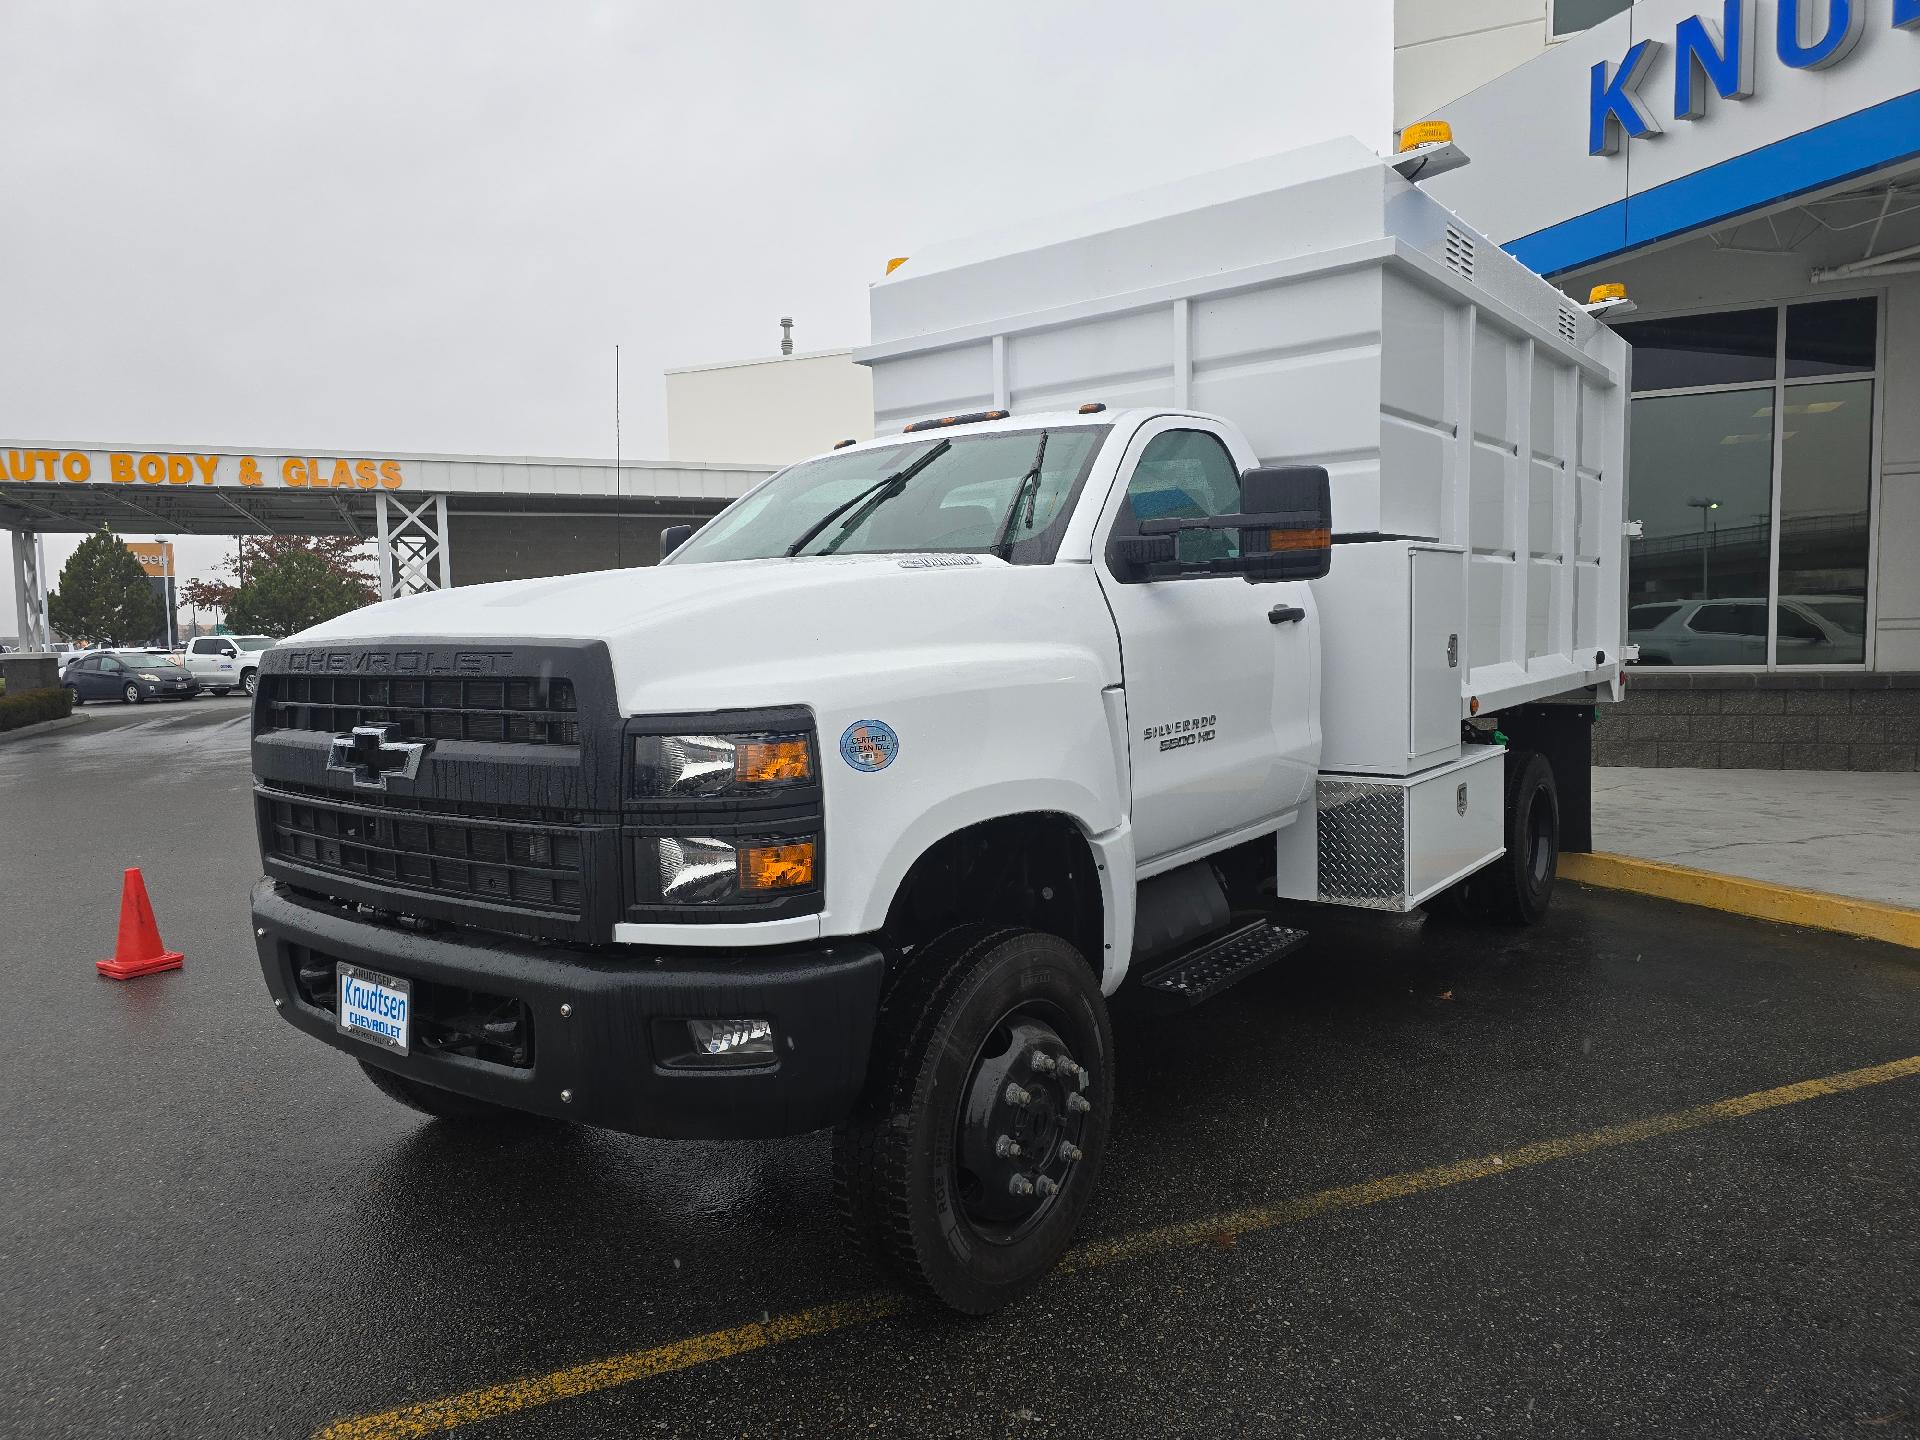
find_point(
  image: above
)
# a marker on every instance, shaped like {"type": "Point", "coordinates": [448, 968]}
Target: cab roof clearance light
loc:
{"type": "Point", "coordinates": [972, 419]}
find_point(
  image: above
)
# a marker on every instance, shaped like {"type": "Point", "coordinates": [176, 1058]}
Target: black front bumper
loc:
{"type": "Point", "coordinates": [597, 1063]}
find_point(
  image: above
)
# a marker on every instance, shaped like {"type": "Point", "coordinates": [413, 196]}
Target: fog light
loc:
{"type": "Point", "coordinates": [713, 1044]}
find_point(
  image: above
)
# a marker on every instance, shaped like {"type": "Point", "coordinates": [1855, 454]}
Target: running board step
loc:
{"type": "Point", "coordinates": [1203, 973]}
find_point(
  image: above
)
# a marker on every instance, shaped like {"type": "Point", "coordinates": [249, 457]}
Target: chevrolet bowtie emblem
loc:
{"type": "Point", "coordinates": [370, 754]}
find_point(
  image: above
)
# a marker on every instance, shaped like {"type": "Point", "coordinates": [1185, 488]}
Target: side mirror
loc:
{"type": "Point", "coordinates": [1292, 537]}
{"type": "Point", "coordinates": [673, 537]}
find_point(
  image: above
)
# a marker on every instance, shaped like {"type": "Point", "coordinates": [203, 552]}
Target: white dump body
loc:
{"type": "Point", "coordinates": [1471, 416]}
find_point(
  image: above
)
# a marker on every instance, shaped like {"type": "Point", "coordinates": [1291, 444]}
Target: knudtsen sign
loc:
{"type": "Point", "coordinates": [1721, 55]}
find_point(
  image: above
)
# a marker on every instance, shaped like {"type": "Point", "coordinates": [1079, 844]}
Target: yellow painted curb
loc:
{"type": "Point", "coordinates": [1735, 893]}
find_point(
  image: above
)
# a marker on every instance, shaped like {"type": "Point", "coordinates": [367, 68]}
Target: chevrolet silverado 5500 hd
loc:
{"type": "Point", "coordinates": [1215, 531]}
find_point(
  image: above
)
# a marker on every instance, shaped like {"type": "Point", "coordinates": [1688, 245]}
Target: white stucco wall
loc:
{"type": "Point", "coordinates": [768, 412]}
{"type": "Point", "coordinates": [1444, 48]}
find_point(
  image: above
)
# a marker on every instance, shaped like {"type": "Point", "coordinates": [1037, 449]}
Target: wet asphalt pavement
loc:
{"type": "Point", "coordinates": [216, 1227]}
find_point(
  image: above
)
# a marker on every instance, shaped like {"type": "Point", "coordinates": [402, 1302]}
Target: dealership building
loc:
{"type": "Point", "coordinates": [1750, 171]}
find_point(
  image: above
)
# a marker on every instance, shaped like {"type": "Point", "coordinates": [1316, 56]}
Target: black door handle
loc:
{"type": "Point", "coordinates": [1285, 614]}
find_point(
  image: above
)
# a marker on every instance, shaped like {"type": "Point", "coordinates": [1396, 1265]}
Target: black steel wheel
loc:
{"type": "Point", "coordinates": [972, 1155]}
{"type": "Point", "coordinates": [1517, 888]}
{"type": "Point", "coordinates": [446, 1105]}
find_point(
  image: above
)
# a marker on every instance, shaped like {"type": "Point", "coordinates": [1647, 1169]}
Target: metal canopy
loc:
{"type": "Point", "coordinates": [400, 503]}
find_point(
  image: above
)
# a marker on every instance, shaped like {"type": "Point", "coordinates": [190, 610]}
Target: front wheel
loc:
{"type": "Point", "coordinates": [75, 695]}
{"type": "Point", "coordinates": [130, 694]}
{"type": "Point", "coordinates": [972, 1155]}
{"type": "Point", "coordinates": [250, 681]}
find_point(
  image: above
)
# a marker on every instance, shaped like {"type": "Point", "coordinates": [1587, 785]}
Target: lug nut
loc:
{"type": "Point", "coordinates": [1077, 1103]}
{"type": "Point", "coordinates": [1047, 1185]}
{"type": "Point", "coordinates": [1020, 1185]}
{"type": "Point", "coordinates": [1070, 1151]}
{"type": "Point", "coordinates": [1017, 1096]}
{"type": "Point", "coordinates": [1042, 1062]}
{"type": "Point", "coordinates": [1006, 1145]}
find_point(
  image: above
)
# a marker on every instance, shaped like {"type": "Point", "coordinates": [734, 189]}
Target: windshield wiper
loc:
{"type": "Point", "coordinates": [875, 495]}
{"type": "Point", "coordinates": [1003, 547]}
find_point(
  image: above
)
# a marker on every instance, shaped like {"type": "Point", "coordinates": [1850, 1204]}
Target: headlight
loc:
{"type": "Point", "coordinates": [677, 766]}
{"type": "Point", "coordinates": [702, 870]}
{"type": "Point", "coordinates": [148, 676]}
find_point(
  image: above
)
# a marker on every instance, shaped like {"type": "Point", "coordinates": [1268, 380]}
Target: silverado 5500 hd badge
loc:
{"type": "Point", "coordinates": [1178, 734]}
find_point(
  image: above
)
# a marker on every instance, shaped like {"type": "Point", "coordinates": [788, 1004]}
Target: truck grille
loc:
{"type": "Point", "coordinates": [530, 866]}
{"type": "Point", "coordinates": [525, 709]}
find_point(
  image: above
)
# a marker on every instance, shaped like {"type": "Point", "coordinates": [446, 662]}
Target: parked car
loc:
{"type": "Point", "coordinates": [223, 663]}
{"type": "Point", "coordinates": [129, 677]}
{"type": "Point", "coordinates": [1814, 630]}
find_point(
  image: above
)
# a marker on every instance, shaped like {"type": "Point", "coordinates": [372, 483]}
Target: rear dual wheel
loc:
{"type": "Point", "coordinates": [1517, 888]}
{"type": "Point", "coordinates": [972, 1155]}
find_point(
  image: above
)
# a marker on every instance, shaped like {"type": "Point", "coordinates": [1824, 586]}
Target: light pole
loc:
{"type": "Point", "coordinates": [1705, 506]}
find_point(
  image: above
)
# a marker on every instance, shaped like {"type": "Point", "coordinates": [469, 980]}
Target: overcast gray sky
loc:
{"type": "Point", "coordinates": [423, 224]}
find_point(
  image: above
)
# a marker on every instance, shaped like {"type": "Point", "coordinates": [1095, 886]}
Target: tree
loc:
{"type": "Point", "coordinates": [291, 590]}
{"type": "Point", "coordinates": [104, 597]}
{"type": "Point", "coordinates": [344, 555]}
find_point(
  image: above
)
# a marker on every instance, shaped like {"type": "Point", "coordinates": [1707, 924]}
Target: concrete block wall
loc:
{"type": "Point", "coordinates": [1673, 719]}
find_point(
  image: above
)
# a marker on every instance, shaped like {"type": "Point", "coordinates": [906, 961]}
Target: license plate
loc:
{"type": "Point", "coordinates": [374, 1007]}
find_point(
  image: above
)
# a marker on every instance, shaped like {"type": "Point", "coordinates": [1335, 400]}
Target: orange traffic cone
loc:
{"type": "Point", "coordinates": [139, 951]}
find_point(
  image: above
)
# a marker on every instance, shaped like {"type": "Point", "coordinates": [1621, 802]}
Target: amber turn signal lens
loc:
{"type": "Point", "coordinates": [777, 867]}
{"type": "Point", "coordinates": [1298, 539]}
{"type": "Point", "coordinates": [773, 761]}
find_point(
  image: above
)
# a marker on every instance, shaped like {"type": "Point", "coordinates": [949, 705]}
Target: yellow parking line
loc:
{"type": "Point", "coordinates": [1738, 895]}
{"type": "Point", "coordinates": [490, 1402]}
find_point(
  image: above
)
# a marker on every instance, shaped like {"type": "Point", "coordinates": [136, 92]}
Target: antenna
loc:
{"type": "Point", "coordinates": [786, 335]}
{"type": "Point", "coordinates": [619, 540]}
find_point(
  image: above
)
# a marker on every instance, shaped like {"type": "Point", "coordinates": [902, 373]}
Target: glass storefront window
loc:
{"type": "Point", "coordinates": [1570, 17]}
{"type": "Point", "coordinates": [1736, 347]}
{"type": "Point", "coordinates": [1826, 479]}
{"type": "Point", "coordinates": [1830, 337]}
{"type": "Point", "coordinates": [1752, 475]}
{"type": "Point", "coordinates": [1702, 487]}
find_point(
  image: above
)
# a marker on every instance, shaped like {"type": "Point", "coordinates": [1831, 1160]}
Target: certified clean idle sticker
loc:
{"type": "Point", "coordinates": [869, 745]}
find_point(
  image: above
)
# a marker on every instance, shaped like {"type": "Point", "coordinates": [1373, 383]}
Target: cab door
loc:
{"type": "Point", "coordinates": [1221, 675]}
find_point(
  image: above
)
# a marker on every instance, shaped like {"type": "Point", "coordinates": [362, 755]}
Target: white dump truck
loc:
{"type": "Point", "coordinates": [1255, 539]}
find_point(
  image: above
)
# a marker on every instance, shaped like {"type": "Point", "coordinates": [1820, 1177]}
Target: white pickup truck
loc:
{"type": "Point", "coordinates": [1218, 530]}
{"type": "Point", "coordinates": [223, 663]}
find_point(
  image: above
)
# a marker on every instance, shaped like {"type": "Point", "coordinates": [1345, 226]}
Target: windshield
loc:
{"type": "Point", "coordinates": [252, 642]}
{"type": "Point", "coordinates": [959, 500]}
{"type": "Point", "coordinates": [158, 664]}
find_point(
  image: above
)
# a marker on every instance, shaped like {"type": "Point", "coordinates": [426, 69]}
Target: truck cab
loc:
{"type": "Point", "coordinates": [857, 810]}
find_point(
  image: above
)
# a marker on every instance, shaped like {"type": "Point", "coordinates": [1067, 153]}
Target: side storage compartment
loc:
{"type": "Point", "coordinates": [1382, 842]}
{"type": "Point", "coordinates": [1393, 622]}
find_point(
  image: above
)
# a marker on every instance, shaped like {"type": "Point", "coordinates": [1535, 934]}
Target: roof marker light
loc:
{"type": "Point", "coordinates": [1093, 407]}
{"type": "Point", "coordinates": [1425, 132]}
{"type": "Point", "coordinates": [1426, 150]}
{"type": "Point", "coordinates": [844, 443]}
{"type": "Point", "coordinates": [1605, 302]}
{"type": "Point", "coordinates": [946, 420]}
{"type": "Point", "coordinates": [895, 263]}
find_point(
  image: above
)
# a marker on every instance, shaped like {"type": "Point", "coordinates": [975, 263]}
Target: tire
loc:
{"type": "Point", "coordinates": [445, 1105]}
{"type": "Point", "coordinates": [1516, 888]}
{"type": "Point", "coordinates": [75, 693]}
{"type": "Point", "coordinates": [221, 690]}
{"type": "Point", "coordinates": [130, 694]}
{"type": "Point", "coordinates": [250, 681]}
{"type": "Point", "coordinates": [920, 1179]}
